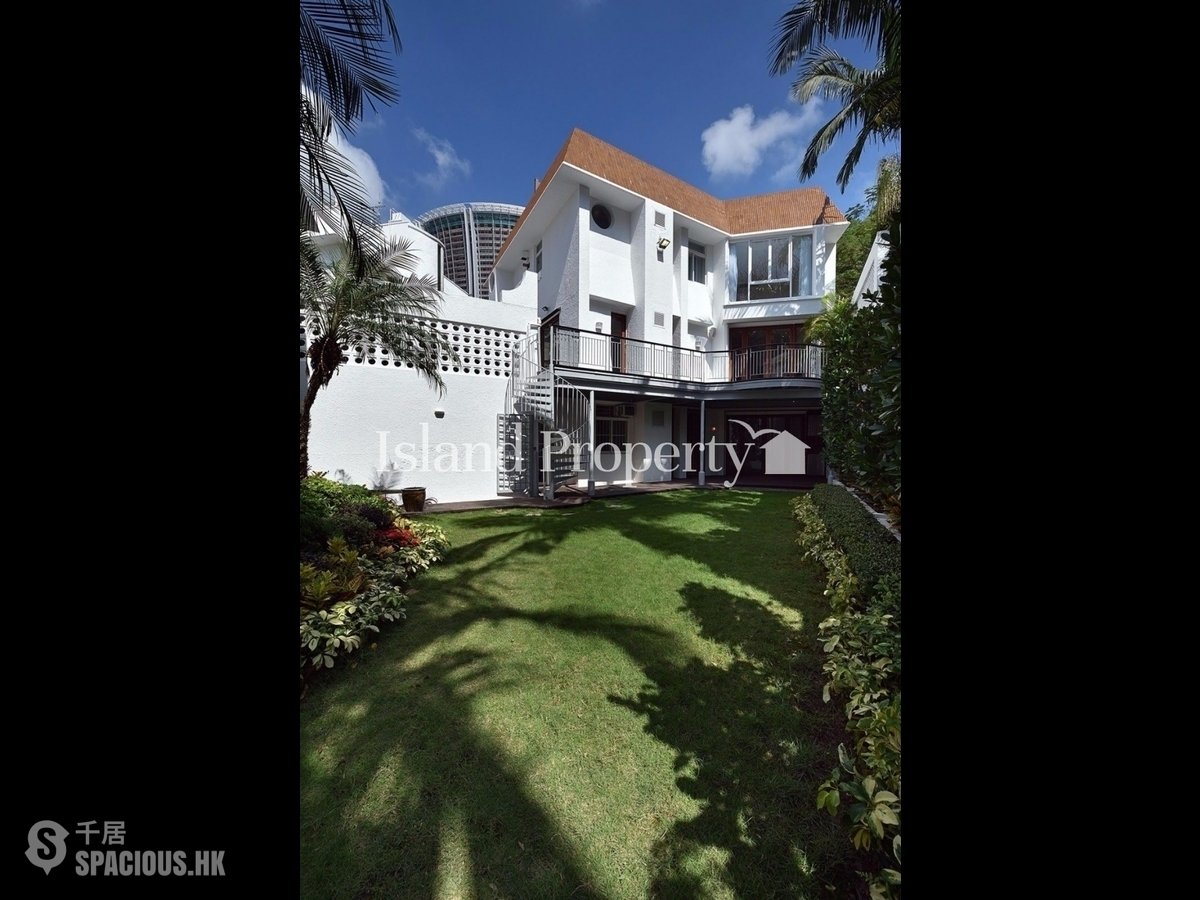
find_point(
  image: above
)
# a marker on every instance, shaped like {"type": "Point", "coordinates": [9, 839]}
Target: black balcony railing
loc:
{"type": "Point", "coordinates": [575, 349]}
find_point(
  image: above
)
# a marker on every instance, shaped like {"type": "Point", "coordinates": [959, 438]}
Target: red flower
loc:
{"type": "Point", "coordinates": [399, 537]}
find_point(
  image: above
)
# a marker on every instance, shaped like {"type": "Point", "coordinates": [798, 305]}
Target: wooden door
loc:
{"type": "Point", "coordinates": [619, 329]}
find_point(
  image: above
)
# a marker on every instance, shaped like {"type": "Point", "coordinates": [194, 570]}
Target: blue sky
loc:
{"type": "Point", "coordinates": [490, 91]}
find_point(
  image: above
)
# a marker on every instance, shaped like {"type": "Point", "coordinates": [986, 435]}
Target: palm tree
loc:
{"type": "Point", "coordinates": [342, 64]}
{"type": "Point", "coordinates": [868, 98]}
{"type": "Point", "coordinates": [368, 303]}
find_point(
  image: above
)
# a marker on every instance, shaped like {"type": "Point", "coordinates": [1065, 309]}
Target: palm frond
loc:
{"type": "Point", "coordinates": [331, 192]}
{"type": "Point", "coordinates": [342, 58]}
{"type": "Point", "coordinates": [868, 97]}
{"type": "Point", "coordinates": [383, 304]}
{"type": "Point", "coordinates": [809, 22]}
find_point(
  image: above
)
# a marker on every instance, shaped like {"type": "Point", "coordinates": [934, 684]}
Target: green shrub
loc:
{"type": "Point", "coordinates": [353, 528]}
{"type": "Point", "coordinates": [346, 497]}
{"type": "Point", "coordinates": [351, 511]}
{"type": "Point", "coordinates": [862, 647]}
{"type": "Point", "coordinates": [344, 594]}
{"type": "Point", "coordinates": [326, 634]}
{"type": "Point", "coordinates": [379, 518]}
{"type": "Point", "coordinates": [873, 551]}
{"type": "Point", "coordinates": [315, 526]}
{"type": "Point", "coordinates": [398, 565]}
{"type": "Point", "coordinates": [339, 577]}
{"type": "Point", "coordinates": [860, 384]}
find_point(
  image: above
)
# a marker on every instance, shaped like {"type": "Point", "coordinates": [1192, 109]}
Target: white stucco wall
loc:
{"type": "Point", "coordinates": [516, 287]}
{"type": "Point", "coordinates": [363, 401]}
{"type": "Point", "coordinates": [558, 284]}
{"type": "Point", "coordinates": [610, 270]}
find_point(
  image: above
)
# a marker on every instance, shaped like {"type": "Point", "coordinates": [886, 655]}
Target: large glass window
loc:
{"type": "Point", "coordinates": [697, 262]}
{"type": "Point", "coordinates": [773, 269]}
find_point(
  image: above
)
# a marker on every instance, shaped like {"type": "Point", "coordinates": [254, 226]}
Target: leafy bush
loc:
{"type": "Point", "coordinates": [351, 511]}
{"type": "Point", "coordinates": [354, 528]}
{"type": "Point", "coordinates": [398, 563]}
{"type": "Point", "coordinates": [862, 646]}
{"type": "Point", "coordinates": [345, 593]}
{"type": "Point", "coordinates": [860, 384]}
{"type": "Point", "coordinates": [872, 550]}
{"type": "Point", "coordinates": [380, 518]}
{"type": "Point", "coordinates": [339, 496]}
{"type": "Point", "coordinates": [326, 634]}
{"type": "Point", "coordinates": [340, 578]}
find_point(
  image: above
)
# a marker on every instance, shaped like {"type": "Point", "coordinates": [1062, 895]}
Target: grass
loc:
{"type": "Point", "coordinates": [618, 700]}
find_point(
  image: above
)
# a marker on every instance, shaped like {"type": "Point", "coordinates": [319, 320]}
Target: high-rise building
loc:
{"type": "Point", "coordinates": [472, 235]}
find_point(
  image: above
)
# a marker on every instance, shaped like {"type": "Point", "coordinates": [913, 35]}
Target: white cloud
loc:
{"type": "Point", "coordinates": [373, 184]}
{"type": "Point", "coordinates": [375, 123]}
{"type": "Point", "coordinates": [736, 145]}
{"type": "Point", "coordinates": [448, 162]}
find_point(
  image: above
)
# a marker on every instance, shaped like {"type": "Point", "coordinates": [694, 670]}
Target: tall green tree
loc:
{"type": "Point", "coordinates": [868, 99]}
{"type": "Point", "coordinates": [860, 383]}
{"type": "Point", "coordinates": [866, 220]}
{"type": "Point", "coordinates": [344, 63]}
{"type": "Point", "coordinates": [349, 303]}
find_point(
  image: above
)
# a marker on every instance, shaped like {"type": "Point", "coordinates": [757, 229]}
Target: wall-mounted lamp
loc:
{"type": "Point", "coordinates": [599, 327]}
{"type": "Point", "coordinates": [439, 414]}
{"type": "Point", "coordinates": [664, 243]}
{"type": "Point", "coordinates": [525, 261]}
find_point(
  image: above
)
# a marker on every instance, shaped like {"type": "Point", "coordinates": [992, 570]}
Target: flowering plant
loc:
{"type": "Point", "coordinates": [398, 537]}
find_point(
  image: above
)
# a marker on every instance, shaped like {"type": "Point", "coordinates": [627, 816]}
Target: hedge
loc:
{"type": "Point", "coordinates": [872, 550]}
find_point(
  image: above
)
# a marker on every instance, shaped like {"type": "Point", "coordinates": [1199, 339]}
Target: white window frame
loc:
{"type": "Point", "coordinates": [703, 255]}
{"type": "Point", "coordinates": [751, 283]}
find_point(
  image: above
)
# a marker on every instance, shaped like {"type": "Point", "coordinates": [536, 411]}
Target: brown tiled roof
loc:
{"type": "Point", "coordinates": [762, 212]}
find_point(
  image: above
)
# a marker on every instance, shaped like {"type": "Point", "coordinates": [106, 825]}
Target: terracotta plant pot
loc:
{"type": "Point", "coordinates": [414, 499]}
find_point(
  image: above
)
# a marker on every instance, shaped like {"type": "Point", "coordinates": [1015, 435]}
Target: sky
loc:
{"type": "Point", "coordinates": [489, 91]}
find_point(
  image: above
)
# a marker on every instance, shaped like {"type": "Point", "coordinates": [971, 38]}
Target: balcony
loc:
{"type": "Point", "coordinates": [574, 349]}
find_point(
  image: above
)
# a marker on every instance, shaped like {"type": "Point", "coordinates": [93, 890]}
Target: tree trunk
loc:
{"type": "Point", "coordinates": [310, 396]}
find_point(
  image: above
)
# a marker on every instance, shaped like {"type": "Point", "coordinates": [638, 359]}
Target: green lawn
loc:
{"type": "Point", "coordinates": [617, 700]}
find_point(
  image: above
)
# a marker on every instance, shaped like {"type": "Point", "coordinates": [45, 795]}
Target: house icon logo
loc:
{"type": "Point", "coordinates": [785, 453]}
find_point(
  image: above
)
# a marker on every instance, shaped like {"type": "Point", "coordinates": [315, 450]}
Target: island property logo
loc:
{"type": "Point", "coordinates": [784, 454]}
{"type": "Point", "coordinates": [48, 848]}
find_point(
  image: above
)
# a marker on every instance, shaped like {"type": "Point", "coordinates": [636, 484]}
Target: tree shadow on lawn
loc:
{"type": "Point", "coordinates": [753, 742]}
{"type": "Point", "coordinates": [404, 796]}
{"type": "Point", "coordinates": [731, 540]}
{"type": "Point", "coordinates": [457, 822]}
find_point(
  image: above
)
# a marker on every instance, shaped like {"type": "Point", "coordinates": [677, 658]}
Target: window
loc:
{"type": "Point", "coordinates": [774, 269]}
{"type": "Point", "coordinates": [602, 216]}
{"type": "Point", "coordinates": [612, 431]}
{"type": "Point", "coordinates": [537, 258]}
{"type": "Point", "coordinates": [697, 263]}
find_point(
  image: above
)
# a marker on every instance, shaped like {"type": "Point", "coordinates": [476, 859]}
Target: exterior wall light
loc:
{"type": "Point", "coordinates": [664, 243]}
{"type": "Point", "coordinates": [439, 414]}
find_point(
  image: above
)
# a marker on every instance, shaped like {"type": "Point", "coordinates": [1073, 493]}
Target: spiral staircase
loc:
{"type": "Point", "coordinates": [538, 407]}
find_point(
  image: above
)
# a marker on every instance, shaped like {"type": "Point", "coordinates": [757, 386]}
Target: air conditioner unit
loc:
{"type": "Point", "coordinates": [626, 410]}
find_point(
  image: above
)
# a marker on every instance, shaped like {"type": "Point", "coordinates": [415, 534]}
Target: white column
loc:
{"type": "Point", "coordinates": [703, 435]}
{"type": "Point", "coordinates": [591, 443]}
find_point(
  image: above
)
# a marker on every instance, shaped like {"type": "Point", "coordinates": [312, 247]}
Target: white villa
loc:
{"type": "Point", "coordinates": [626, 307]}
